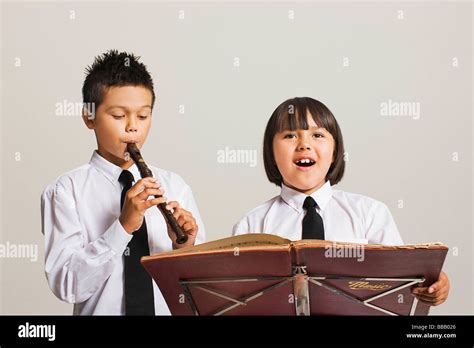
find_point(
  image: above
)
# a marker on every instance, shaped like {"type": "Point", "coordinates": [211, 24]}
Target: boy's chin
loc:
{"type": "Point", "coordinates": [304, 187]}
{"type": "Point", "coordinates": [118, 155]}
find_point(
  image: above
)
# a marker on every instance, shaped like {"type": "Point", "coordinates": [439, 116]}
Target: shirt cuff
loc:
{"type": "Point", "coordinates": [117, 238]}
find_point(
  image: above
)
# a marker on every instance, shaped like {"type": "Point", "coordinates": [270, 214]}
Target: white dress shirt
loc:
{"type": "Point", "coordinates": [347, 217]}
{"type": "Point", "coordinates": [85, 242]}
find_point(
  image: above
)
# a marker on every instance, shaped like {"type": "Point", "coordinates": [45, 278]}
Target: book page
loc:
{"type": "Point", "coordinates": [250, 240]}
{"type": "Point", "coordinates": [327, 243]}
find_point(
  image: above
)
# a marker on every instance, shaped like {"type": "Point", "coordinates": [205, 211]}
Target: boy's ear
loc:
{"type": "Point", "coordinates": [88, 118]}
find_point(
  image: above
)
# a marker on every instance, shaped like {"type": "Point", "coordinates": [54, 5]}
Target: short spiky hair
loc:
{"type": "Point", "coordinates": [114, 68]}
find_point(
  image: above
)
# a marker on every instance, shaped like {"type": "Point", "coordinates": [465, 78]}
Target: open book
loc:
{"type": "Point", "coordinates": [263, 274]}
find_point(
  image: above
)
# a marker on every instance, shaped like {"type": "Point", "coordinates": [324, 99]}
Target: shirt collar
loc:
{"type": "Point", "coordinates": [111, 171]}
{"type": "Point", "coordinates": [295, 199]}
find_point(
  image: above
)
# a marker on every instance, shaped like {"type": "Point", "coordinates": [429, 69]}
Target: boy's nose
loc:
{"type": "Point", "coordinates": [303, 147]}
{"type": "Point", "coordinates": [131, 125]}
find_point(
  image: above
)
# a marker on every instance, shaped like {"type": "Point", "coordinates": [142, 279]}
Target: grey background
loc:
{"type": "Point", "coordinates": [192, 63]}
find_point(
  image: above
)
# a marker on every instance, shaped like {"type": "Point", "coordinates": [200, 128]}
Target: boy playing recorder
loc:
{"type": "Point", "coordinates": [96, 219]}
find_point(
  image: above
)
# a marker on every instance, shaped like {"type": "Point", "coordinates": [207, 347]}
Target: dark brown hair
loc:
{"type": "Point", "coordinates": [114, 69]}
{"type": "Point", "coordinates": [292, 115]}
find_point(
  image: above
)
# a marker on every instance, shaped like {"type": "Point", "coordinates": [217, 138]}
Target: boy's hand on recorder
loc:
{"type": "Point", "coordinates": [436, 293]}
{"type": "Point", "coordinates": [137, 202]}
{"type": "Point", "coordinates": [186, 221]}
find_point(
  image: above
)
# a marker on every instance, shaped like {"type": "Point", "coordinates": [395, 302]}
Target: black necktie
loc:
{"type": "Point", "coordinates": [138, 284]}
{"type": "Point", "coordinates": [313, 227]}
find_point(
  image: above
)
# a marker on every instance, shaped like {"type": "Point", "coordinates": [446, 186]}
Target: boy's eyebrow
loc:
{"type": "Point", "coordinates": [126, 108]}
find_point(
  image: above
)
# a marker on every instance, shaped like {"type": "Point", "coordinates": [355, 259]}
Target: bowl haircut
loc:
{"type": "Point", "coordinates": [292, 115]}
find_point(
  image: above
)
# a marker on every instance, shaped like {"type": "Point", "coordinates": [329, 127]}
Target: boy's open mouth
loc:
{"type": "Point", "coordinates": [305, 162]}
